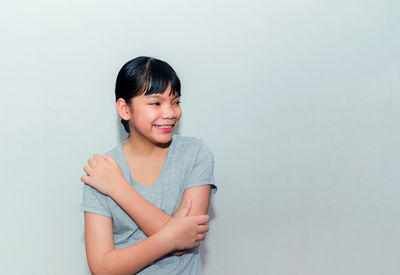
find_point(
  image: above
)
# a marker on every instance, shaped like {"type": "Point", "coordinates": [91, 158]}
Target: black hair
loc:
{"type": "Point", "coordinates": [145, 75]}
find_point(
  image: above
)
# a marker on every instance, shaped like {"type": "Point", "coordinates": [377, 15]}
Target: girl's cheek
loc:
{"type": "Point", "coordinates": [154, 115]}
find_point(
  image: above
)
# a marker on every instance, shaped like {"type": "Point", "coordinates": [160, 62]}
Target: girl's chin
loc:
{"type": "Point", "coordinates": [163, 139]}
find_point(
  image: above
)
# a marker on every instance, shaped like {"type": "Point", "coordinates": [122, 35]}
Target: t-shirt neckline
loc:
{"type": "Point", "coordinates": [161, 175]}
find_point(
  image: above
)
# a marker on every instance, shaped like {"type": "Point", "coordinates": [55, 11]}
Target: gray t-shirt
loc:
{"type": "Point", "coordinates": [189, 163]}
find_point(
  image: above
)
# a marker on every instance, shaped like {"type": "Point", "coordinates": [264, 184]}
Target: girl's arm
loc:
{"type": "Point", "coordinates": [181, 232]}
{"type": "Point", "coordinates": [151, 219]}
{"type": "Point", "coordinates": [106, 176]}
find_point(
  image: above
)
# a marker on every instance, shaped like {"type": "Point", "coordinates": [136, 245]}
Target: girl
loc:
{"type": "Point", "coordinates": [146, 200]}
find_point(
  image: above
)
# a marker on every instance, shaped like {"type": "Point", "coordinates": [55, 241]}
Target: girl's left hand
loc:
{"type": "Point", "coordinates": [103, 174]}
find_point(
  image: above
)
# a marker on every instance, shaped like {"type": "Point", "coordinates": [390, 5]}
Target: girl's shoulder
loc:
{"type": "Point", "coordinates": [187, 141]}
{"type": "Point", "coordinates": [115, 152]}
{"type": "Point", "coordinates": [190, 146]}
{"type": "Point", "coordinates": [192, 143]}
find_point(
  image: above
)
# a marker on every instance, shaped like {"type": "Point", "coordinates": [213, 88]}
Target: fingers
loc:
{"type": "Point", "coordinates": [200, 237]}
{"type": "Point", "coordinates": [91, 162]}
{"type": "Point", "coordinates": [110, 159]}
{"type": "Point", "coordinates": [203, 228]}
{"type": "Point", "coordinates": [201, 219]}
{"type": "Point", "coordinates": [97, 158]}
{"type": "Point", "coordinates": [85, 179]}
{"type": "Point", "coordinates": [88, 170]}
{"type": "Point", "coordinates": [101, 158]}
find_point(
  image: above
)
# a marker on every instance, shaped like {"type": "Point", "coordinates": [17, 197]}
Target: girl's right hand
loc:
{"type": "Point", "coordinates": [185, 232]}
{"type": "Point", "coordinates": [103, 174]}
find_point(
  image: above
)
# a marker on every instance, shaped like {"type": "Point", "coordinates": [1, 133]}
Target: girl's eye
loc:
{"type": "Point", "coordinates": [155, 104]}
{"type": "Point", "coordinates": [178, 103]}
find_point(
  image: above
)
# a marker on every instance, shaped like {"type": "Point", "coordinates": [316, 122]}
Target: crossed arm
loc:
{"type": "Point", "coordinates": [149, 218]}
{"type": "Point", "coordinates": [106, 176]}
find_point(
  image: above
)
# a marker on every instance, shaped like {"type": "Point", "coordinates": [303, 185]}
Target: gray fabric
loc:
{"type": "Point", "coordinates": [189, 163]}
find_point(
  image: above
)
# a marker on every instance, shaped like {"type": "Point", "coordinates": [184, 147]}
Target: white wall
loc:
{"type": "Point", "coordinates": [299, 101]}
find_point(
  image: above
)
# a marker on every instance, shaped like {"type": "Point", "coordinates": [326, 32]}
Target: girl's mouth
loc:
{"type": "Point", "coordinates": [166, 128]}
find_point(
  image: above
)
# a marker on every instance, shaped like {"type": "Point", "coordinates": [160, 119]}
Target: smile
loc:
{"type": "Point", "coordinates": [164, 126]}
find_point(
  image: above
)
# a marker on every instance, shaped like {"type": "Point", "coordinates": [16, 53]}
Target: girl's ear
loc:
{"type": "Point", "coordinates": [123, 109]}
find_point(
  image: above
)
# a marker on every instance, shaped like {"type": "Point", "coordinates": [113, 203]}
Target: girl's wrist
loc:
{"type": "Point", "coordinates": [118, 188]}
{"type": "Point", "coordinates": [165, 240]}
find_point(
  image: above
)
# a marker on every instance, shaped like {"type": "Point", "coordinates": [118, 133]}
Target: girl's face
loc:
{"type": "Point", "coordinates": [154, 117]}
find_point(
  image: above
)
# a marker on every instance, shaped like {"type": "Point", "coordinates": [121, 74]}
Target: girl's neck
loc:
{"type": "Point", "coordinates": [140, 146]}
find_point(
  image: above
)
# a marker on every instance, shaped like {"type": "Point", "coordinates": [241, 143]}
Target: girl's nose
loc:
{"type": "Point", "coordinates": [168, 111]}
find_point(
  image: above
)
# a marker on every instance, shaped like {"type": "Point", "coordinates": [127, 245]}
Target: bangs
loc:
{"type": "Point", "coordinates": [156, 77]}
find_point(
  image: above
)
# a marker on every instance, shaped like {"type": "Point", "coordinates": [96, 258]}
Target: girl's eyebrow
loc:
{"type": "Point", "coordinates": [149, 96]}
{"type": "Point", "coordinates": [158, 96]}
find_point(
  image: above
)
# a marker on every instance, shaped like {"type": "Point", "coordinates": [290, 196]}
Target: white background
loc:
{"type": "Point", "coordinates": [299, 101]}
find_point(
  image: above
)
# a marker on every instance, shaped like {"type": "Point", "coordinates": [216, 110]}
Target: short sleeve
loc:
{"type": "Point", "coordinates": [203, 169]}
{"type": "Point", "coordinates": [95, 202]}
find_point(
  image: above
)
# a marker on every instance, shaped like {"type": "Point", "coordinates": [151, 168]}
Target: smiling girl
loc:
{"type": "Point", "coordinates": [145, 201]}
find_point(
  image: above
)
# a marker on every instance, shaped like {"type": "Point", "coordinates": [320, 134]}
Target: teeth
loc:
{"type": "Point", "coordinates": [161, 126]}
